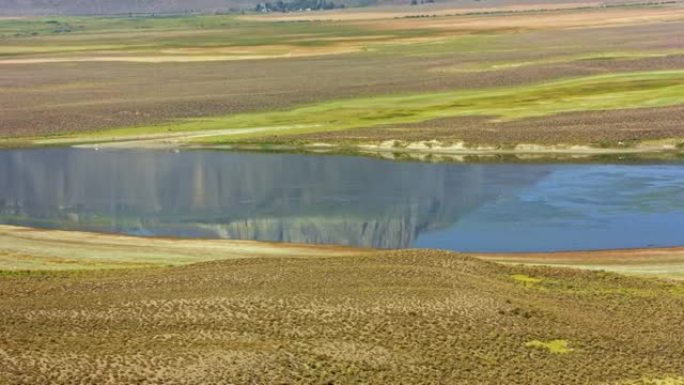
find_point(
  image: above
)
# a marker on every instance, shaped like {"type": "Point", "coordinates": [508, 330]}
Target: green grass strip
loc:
{"type": "Point", "coordinates": [603, 92]}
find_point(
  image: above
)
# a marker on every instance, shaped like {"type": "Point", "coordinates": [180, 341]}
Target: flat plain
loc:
{"type": "Point", "coordinates": [349, 78]}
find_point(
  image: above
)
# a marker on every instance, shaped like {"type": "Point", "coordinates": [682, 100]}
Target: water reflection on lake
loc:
{"type": "Point", "coordinates": [345, 200]}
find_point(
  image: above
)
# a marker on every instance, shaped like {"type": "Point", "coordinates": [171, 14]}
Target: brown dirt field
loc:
{"type": "Point", "coordinates": [567, 19]}
{"type": "Point", "coordinates": [419, 317]}
{"type": "Point", "coordinates": [51, 98]}
{"type": "Point", "coordinates": [598, 128]}
{"type": "Point", "coordinates": [72, 97]}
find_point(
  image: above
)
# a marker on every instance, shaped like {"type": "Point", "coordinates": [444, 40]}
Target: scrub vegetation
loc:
{"type": "Point", "coordinates": [415, 316]}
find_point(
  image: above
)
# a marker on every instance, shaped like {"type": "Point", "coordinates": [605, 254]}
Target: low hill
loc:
{"type": "Point", "coordinates": [123, 7]}
{"type": "Point", "coordinates": [104, 7]}
{"type": "Point", "coordinates": [419, 317]}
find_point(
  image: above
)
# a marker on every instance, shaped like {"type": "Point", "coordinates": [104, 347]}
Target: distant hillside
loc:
{"type": "Point", "coordinates": [146, 7]}
{"type": "Point", "coordinates": [108, 7]}
{"type": "Point", "coordinates": [85, 7]}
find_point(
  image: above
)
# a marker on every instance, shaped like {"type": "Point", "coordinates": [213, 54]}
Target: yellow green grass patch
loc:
{"type": "Point", "coordinates": [603, 92]}
{"type": "Point", "coordinates": [553, 346]}
{"type": "Point", "coordinates": [526, 279]}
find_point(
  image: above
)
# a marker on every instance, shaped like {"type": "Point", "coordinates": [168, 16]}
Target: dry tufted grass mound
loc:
{"type": "Point", "coordinates": [413, 317]}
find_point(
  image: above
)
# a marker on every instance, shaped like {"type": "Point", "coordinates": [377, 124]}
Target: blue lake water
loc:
{"type": "Point", "coordinates": [345, 200]}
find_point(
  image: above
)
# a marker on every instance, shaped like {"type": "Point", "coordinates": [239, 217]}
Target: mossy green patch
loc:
{"type": "Point", "coordinates": [552, 346]}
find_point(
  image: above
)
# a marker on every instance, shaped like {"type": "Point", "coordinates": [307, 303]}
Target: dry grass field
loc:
{"type": "Point", "coordinates": [30, 249]}
{"type": "Point", "coordinates": [419, 317]}
{"type": "Point", "coordinates": [75, 75]}
{"type": "Point", "coordinates": [231, 312]}
{"type": "Point", "coordinates": [664, 263]}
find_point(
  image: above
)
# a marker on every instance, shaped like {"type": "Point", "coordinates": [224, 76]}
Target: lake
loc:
{"type": "Point", "coordinates": [345, 200]}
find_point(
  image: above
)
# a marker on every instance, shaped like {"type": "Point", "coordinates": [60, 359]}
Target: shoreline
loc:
{"type": "Point", "coordinates": [39, 249]}
{"type": "Point", "coordinates": [390, 149]}
{"type": "Point", "coordinates": [431, 150]}
{"type": "Point", "coordinates": [35, 249]}
{"type": "Point", "coordinates": [663, 262]}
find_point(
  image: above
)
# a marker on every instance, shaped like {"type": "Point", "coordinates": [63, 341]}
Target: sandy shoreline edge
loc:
{"type": "Point", "coordinates": [35, 249]}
